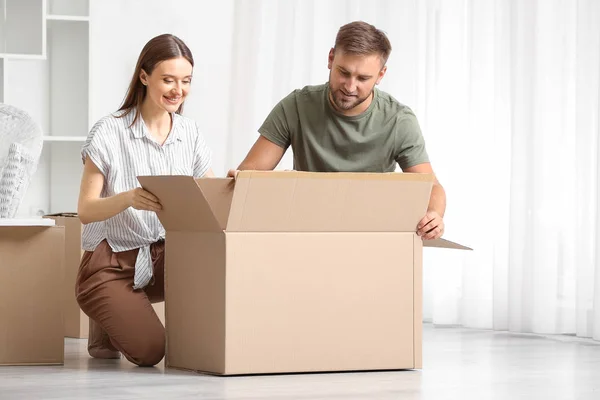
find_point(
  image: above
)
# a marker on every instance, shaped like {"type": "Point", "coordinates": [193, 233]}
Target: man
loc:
{"type": "Point", "coordinates": [349, 125]}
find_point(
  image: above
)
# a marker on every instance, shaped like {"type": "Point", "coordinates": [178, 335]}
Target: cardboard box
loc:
{"type": "Point", "coordinates": [76, 322]}
{"type": "Point", "coordinates": [159, 309]}
{"type": "Point", "coordinates": [293, 272]}
{"type": "Point", "coordinates": [31, 281]}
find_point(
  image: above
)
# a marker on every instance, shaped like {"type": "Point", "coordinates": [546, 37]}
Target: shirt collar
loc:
{"type": "Point", "coordinates": [139, 130]}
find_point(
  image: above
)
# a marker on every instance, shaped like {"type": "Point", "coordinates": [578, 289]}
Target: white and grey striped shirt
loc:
{"type": "Point", "coordinates": [122, 153]}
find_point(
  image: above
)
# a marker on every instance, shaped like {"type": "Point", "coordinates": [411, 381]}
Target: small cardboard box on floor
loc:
{"type": "Point", "coordinates": [76, 321]}
{"type": "Point", "coordinates": [31, 282]}
{"type": "Point", "coordinates": [293, 272]}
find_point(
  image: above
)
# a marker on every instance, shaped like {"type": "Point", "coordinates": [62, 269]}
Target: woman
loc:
{"type": "Point", "coordinates": [121, 271]}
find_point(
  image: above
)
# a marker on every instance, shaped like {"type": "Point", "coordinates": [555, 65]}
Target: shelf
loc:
{"type": "Point", "coordinates": [78, 18]}
{"type": "Point", "coordinates": [80, 139]}
{"type": "Point", "coordinates": [23, 56]}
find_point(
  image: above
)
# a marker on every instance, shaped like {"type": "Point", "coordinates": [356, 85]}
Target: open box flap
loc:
{"type": "Point", "coordinates": [184, 206]}
{"type": "Point", "coordinates": [291, 201]}
{"type": "Point", "coordinates": [443, 243]}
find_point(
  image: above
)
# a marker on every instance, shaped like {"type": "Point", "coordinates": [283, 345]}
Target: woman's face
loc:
{"type": "Point", "coordinates": [169, 83]}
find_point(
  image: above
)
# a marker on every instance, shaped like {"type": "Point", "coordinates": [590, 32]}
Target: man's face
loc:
{"type": "Point", "coordinates": [352, 79]}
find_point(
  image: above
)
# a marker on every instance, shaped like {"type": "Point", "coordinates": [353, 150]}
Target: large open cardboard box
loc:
{"type": "Point", "coordinates": [31, 295]}
{"type": "Point", "coordinates": [293, 272]}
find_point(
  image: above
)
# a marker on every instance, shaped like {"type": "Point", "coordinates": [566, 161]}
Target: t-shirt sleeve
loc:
{"type": "Point", "coordinates": [410, 144]}
{"type": "Point", "coordinates": [202, 155]}
{"type": "Point", "coordinates": [276, 127]}
{"type": "Point", "coordinates": [96, 146]}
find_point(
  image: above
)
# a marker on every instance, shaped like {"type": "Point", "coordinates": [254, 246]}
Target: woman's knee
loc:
{"type": "Point", "coordinates": [148, 350]}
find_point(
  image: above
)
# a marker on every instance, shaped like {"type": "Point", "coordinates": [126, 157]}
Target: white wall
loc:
{"type": "Point", "coordinates": [119, 29]}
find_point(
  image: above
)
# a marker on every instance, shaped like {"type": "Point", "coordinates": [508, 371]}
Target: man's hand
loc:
{"type": "Point", "coordinates": [233, 173]}
{"type": "Point", "coordinates": [431, 226]}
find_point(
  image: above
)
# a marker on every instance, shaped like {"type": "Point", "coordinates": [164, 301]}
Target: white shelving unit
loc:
{"type": "Point", "coordinates": [46, 73]}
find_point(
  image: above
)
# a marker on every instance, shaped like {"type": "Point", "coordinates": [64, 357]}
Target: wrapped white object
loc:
{"type": "Point", "coordinates": [20, 148]}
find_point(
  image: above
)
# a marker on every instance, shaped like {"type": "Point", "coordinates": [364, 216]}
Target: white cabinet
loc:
{"type": "Point", "coordinates": [49, 78]}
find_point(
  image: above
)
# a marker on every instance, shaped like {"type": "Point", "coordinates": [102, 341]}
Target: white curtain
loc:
{"type": "Point", "coordinates": [507, 95]}
{"type": "Point", "coordinates": [513, 118]}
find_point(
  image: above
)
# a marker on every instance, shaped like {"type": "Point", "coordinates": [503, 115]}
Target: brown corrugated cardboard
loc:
{"type": "Point", "coordinates": [31, 302]}
{"type": "Point", "coordinates": [293, 272]}
{"type": "Point", "coordinates": [159, 309]}
{"type": "Point", "coordinates": [76, 322]}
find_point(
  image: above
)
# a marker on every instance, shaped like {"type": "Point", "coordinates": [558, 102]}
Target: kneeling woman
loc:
{"type": "Point", "coordinates": [122, 269]}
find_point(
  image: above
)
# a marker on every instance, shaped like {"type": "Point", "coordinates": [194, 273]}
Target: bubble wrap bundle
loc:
{"type": "Point", "coordinates": [20, 148]}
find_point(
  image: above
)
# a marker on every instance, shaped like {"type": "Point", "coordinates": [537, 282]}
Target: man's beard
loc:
{"type": "Point", "coordinates": [343, 103]}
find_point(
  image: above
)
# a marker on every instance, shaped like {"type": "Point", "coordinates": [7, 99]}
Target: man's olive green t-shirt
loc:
{"type": "Point", "coordinates": [324, 140]}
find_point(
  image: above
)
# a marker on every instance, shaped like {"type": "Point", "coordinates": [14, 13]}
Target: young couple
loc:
{"type": "Point", "coordinates": [346, 124]}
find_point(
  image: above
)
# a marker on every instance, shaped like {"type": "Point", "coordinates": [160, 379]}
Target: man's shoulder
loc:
{"type": "Point", "coordinates": [387, 102]}
{"type": "Point", "coordinates": [308, 93]}
{"type": "Point", "coordinates": [302, 100]}
{"type": "Point", "coordinates": [312, 90]}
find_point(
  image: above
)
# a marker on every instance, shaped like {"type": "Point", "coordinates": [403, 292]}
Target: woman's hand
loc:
{"type": "Point", "coordinates": [141, 199]}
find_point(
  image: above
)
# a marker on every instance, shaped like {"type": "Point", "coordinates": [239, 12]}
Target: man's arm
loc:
{"type": "Point", "coordinates": [432, 225]}
{"type": "Point", "coordinates": [263, 156]}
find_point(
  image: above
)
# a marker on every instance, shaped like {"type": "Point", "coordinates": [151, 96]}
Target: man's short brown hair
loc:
{"type": "Point", "coordinates": [361, 38]}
